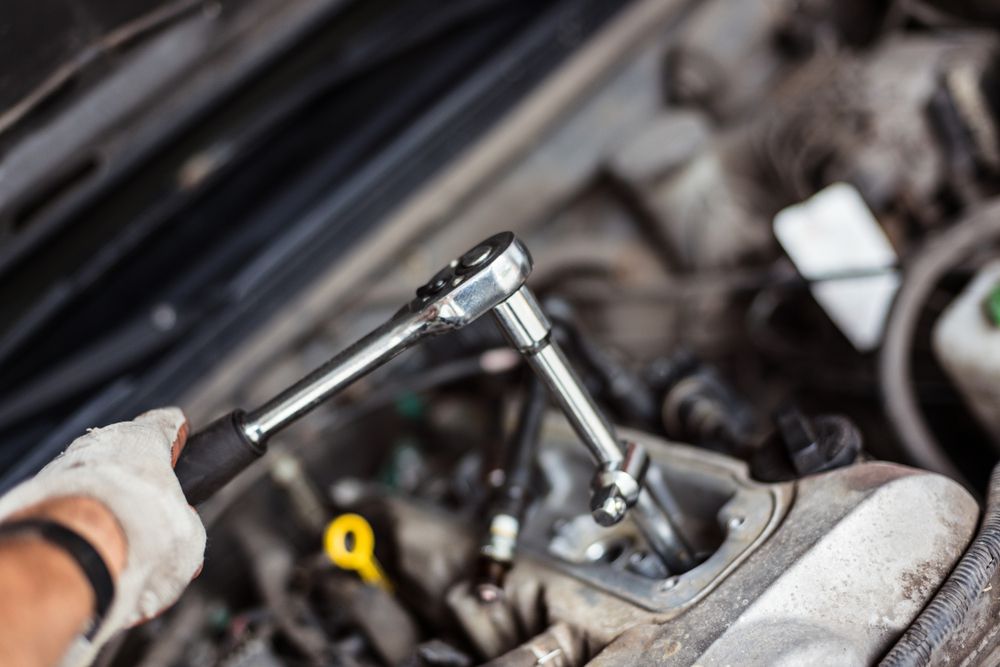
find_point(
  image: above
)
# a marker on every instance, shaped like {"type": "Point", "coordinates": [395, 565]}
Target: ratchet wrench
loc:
{"type": "Point", "coordinates": [488, 278]}
{"type": "Point", "coordinates": [456, 296]}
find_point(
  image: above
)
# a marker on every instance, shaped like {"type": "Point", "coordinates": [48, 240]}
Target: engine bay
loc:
{"type": "Point", "coordinates": [762, 242]}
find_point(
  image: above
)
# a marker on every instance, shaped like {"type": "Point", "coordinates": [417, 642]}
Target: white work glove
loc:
{"type": "Point", "coordinates": [127, 467]}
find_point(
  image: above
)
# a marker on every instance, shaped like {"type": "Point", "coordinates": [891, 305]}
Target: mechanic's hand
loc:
{"type": "Point", "coordinates": [128, 467]}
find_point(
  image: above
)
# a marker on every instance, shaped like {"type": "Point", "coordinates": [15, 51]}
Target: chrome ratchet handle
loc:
{"type": "Point", "coordinates": [460, 293]}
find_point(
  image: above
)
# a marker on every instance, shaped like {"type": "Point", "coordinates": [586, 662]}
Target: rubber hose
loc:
{"type": "Point", "coordinates": [949, 608]}
{"type": "Point", "coordinates": [899, 397]}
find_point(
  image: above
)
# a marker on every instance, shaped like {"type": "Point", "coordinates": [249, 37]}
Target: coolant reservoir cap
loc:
{"type": "Point", "coordinates": [991, 305]}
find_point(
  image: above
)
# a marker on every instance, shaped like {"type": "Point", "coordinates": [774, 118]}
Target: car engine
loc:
{"type": "Point", "coordinates": [710, 375]}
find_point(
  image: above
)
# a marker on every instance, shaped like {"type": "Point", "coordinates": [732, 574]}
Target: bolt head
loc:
{"type": "Point", "coordinates": [608, 507]}
{"type": "Point", "coordinates": [668, 584]}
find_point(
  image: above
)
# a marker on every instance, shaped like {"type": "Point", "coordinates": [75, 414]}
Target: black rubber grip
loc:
{"type": "Point", "coordinates": [214, 455]}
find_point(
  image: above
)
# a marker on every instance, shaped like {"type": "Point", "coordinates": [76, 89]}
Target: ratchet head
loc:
{"type": "Point", "coordinates": [472, 285]}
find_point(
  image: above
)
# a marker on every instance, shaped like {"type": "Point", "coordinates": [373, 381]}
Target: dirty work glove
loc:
{"type": "Point", "coordinates": [128, 467]}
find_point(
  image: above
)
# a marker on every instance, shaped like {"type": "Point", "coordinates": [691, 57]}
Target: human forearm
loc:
{"type": "Point", "coordinates": [41, 581]}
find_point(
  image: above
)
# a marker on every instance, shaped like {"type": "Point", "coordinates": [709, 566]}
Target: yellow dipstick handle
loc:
{"type": "Point", "coordinates": [350, 543]}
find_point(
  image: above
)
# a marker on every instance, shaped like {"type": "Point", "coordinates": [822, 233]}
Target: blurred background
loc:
{"type": "Point", "coordinates": [748, 217]}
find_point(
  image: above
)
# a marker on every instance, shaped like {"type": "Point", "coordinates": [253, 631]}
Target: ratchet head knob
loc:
{"type": "Point", "coordinates": [473, 284]}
